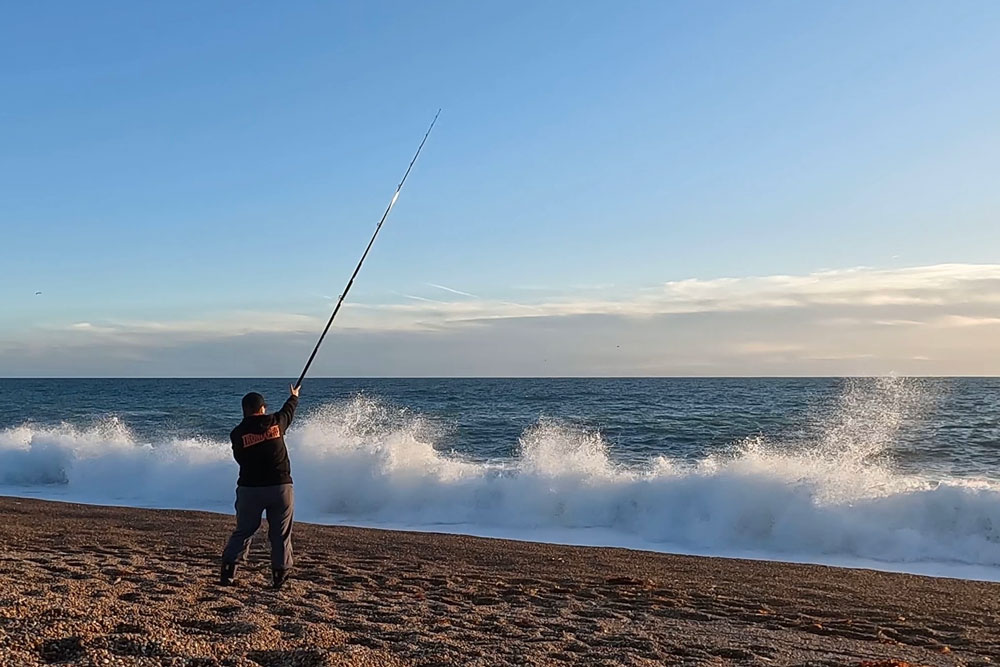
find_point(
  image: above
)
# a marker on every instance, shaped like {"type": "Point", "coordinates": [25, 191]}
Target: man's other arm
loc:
{"type": "Point", "coordinates": [237, 448]}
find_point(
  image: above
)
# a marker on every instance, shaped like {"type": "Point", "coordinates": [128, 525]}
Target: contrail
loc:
{"type": "Point", "coordinates": [420, 298]}
{"type": "Point", "coordinates": [521, 305]}
{"type": "Point", "coordinates": [453, 291]}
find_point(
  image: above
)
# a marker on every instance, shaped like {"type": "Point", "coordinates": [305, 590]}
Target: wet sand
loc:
{"type": "Point", "coordinates": [93, 585]}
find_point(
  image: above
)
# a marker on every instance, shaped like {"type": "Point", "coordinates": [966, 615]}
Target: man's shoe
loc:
{"type": "Point", "coordinates": [278, 578]}
{"type": "Point", "coordinates": [228, 575]}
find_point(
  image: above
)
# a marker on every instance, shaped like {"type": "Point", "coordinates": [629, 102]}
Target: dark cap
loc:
{"type": "Point", "coordinates": [253, 402]}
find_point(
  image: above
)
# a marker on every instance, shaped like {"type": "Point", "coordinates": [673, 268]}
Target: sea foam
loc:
{"type": "Point", "coordinates": [838, 499]}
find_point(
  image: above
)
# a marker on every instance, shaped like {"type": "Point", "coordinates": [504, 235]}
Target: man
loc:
{"type": "Point", "coordinates": [265, 485]}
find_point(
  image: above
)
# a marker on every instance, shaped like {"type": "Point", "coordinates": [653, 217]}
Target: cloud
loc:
{"type": "Point", "coordinates": [765, 347]}
{"type": "Point", "coordinates": [933, 319]}
{"type": "Point", "coordinates": [157, 333]}
{"type": "Point", "coordinates": [422, 298]}
{"type": "Point", "coordinates": [939, 285]}
{"type": "Point", "coordinates": [453, 291]}
{"type": "Point", "coordinates": [964, 321]}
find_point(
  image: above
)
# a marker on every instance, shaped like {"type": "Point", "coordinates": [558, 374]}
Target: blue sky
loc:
{"type": "Point", "coordinates": [181, 175]}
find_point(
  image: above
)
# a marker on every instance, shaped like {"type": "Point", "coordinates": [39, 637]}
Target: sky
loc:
{"type": "Point", "coordinates": [613, 188]}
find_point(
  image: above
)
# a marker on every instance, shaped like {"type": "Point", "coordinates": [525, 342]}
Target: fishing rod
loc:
{"type": "Point", "coordinates": [357, 269]}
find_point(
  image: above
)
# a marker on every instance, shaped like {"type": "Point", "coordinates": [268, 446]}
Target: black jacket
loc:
{"type": "Point", "coordinates": [259, 447]}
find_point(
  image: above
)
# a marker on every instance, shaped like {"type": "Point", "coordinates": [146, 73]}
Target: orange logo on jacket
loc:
{"type": "Point", "coordinates": [251, 439]}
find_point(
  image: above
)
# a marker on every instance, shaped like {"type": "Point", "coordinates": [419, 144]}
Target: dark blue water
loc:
{"type": "Point", "coordinates": [898, 473]}
{"type": "Point", "coordinates": [952, 425]}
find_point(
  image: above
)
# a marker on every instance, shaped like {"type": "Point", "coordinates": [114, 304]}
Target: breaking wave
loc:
{"type": "Point", "coordinates": [364, 462]}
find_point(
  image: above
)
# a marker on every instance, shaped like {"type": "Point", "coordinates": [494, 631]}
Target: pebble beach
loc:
{"type": "Point", "coordinates": [92, 585]}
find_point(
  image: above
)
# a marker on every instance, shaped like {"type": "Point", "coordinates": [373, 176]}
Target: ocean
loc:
{"type": "Point", "coordinates": [891, 473]}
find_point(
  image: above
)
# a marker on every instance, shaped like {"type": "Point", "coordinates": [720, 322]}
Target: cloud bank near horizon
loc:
{"type": "Point", "coordinates": [937, 320]}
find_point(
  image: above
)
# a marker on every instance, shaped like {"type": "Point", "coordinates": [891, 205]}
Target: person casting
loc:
{"type": "Point", "coordinates": [264, 486]}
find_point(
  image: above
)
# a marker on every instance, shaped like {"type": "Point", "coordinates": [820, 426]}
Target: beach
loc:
{"type": "Point", "coordinates": [94, 585]}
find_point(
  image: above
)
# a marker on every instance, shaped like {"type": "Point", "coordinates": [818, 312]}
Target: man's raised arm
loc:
{"type": "Point", "coordinates": [287, 411]}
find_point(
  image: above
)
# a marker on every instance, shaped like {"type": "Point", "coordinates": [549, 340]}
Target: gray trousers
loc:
{"type": "Point", "coordinates": [277, 502]}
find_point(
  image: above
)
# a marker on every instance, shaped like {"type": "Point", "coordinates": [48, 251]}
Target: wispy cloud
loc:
{"type": "Point", "coordinates": [935, 319]}
{"type": "Point", "coordinates": [140, 333]}
{"type": "Point", "coordinates": [929, 286]}
{"type": "Point", "coordinates": [965, 321]}
{"type": "Point", "coordinates": [423, 298]}
{"type": "Point", "coordinates": [765, 347]}
{"type": "Point", "coordinates": [880, 297]}
{"type": "Point", "coordinates": [452, 290]}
